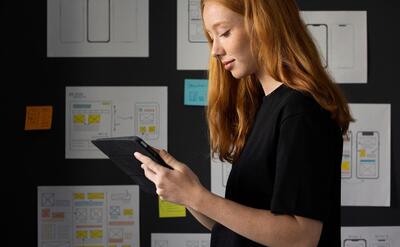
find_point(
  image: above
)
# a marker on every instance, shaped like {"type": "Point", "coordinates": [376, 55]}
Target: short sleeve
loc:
{"type": "Point", "coordinates": [305, 172]}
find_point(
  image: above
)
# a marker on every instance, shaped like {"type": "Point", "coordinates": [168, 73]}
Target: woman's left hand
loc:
{"type": "Point", "coordinates": [178, 185]}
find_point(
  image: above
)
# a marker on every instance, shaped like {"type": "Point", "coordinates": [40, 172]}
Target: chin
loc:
{"type": "Point", "coordinates": [238, 75]}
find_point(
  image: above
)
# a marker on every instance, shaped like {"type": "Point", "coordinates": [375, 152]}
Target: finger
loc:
{"type": "Point", "coordinates": [170, 160]}
{"type": "Point", "coordinates": [149, 163]}
{"type": "Point", "coordinates": [151, 175]}
{"type": "Point", "coordinates": [155, 149]}
{"type": "Point", "coordinates": [142, 158]}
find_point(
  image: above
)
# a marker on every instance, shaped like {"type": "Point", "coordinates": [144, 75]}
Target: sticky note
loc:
{"type": "Point", "coordinates": [169, 210]}
{"type": "Point", "coordinates": [38, 117]}
{"type": "Point", "coordinates": [196, 92]}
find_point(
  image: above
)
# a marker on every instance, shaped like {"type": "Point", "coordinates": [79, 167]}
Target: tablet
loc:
{"type": "Point", "coordinates": [120, 150]}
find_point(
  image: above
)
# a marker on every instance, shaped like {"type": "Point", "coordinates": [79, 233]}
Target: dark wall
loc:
{"type": "Point", "coordinates": [29, 78]}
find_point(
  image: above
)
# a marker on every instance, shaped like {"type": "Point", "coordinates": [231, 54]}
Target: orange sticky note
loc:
{"type": "Point", "coordinates": [38, 117]}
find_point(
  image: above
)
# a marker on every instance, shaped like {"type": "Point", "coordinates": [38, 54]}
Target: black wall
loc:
{"type": "Point", "coordinates": [37, 157]}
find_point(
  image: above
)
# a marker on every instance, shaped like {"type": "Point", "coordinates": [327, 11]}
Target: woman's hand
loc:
{"type": "Point", "coordinates": [178, 185]}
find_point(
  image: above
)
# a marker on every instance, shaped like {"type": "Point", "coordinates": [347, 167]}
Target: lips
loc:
{"type": "Point", "coordinates": [228, 64]}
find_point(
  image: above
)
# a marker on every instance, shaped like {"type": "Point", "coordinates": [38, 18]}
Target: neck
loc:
{"type": "Point", "coordinates": [268, 83]}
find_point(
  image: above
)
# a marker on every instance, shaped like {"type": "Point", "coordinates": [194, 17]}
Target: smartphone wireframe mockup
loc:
{"type": "Point", "coordinates": [367, 154]}
{"type": "Point", "coordinates": [347, 155]}
{"type": "Point", "coordinates": [320, 34]}
{"type": "Point", "coordinates": [355, 243]}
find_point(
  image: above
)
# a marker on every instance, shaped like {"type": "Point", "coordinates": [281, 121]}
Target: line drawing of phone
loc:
{"type": "Point", "coordinates": [147, 120]}
{"type": "Point", "coordinates": [320, 34]}
{"type": "Point", "coordinates": [343, 46]}
{"type": "Point", "coordinates": [195, 23]}
{"type": "Point", "coordinates": [382, 241]}
{"type": "Point", "coordinates": [355, 243]}
{"type": "Point", "coordinates": [367, 154]}
{"type": "Point", "coordinates": [347, 155]}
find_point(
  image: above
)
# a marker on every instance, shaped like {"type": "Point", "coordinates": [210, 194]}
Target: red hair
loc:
{"type": "Point", "coordinates": [284, 48]}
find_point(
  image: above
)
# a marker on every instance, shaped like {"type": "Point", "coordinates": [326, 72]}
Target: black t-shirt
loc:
{"type": "Point", "coordinates": [290, 165]}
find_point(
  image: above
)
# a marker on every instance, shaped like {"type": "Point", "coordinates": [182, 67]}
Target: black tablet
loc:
{"type": "Point", "coordinates": [120, 150]}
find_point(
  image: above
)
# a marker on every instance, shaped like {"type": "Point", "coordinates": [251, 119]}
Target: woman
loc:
{"type": "Point", "coordinates": [278, 117]}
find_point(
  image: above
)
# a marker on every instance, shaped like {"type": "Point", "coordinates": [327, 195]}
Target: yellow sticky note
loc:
{"type": "Point", "coordinates": [38, 117]}
{"type": "Point", "coordinates": [169, 210]}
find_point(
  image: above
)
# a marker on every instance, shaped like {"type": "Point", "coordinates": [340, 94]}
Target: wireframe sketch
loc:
{"type": "Point", "coordinates": [89, 120]}
{"type": "Point", "coordinates": [355, 243]}
{"type": "Point", "coordinates": [343, 45]}
{"type": "Point", "coordinates": [320, 34]}
{"type": "Point", "coordinates": [196, 34]}
{"type": "Point", "coordinates": [367, 154]}
{"type": "Point", "coordinates": [147, 123]}
{"type": "Point", "coordinates": [80, 28]}
{"type": "Point", "coordinates": [347, 155]}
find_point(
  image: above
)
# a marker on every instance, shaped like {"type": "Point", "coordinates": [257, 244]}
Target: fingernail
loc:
{"type": "Point", "coordinates": [136, 154]}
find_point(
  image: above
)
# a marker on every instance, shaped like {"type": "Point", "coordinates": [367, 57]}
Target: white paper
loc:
{"type": "Point", "coordinates": [384, 236]}
{"type": "Point", "coordinates": [366, 157]}
{"type": "Point", "coordinates": [341, 37]}
{"type": "Point", "coordinates": [97, 28]}
{"type": "Point", "coordinates": [192, 47]}
{"type": "Point", "coordinates": [99, 112]}
{"type": "Point", "coordinates": [88, 216]}
{"type": "Point", "coordinates": [180, 239]}
{"type": "Point", "coordinates": [219, 175]}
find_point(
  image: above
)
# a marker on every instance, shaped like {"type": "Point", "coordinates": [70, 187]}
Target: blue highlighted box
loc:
{"type": "Point", "coordinates": [196, 92]}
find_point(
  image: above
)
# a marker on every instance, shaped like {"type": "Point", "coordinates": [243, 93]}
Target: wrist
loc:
{"type": "Point", "coordinates": [197, 198]}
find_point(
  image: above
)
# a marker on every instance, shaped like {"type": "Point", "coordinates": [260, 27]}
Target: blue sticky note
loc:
{"type": "Point", "coordinates": [196, 92]}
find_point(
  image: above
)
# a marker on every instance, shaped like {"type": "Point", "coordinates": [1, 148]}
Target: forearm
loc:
{"type": "Point", "coordinates": [256, 224]}
{"type": "Point", "coordinates": [204, 220]}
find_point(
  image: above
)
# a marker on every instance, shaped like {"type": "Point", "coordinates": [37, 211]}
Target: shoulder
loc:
{"type": "Point", "coordinates": [295, 103]}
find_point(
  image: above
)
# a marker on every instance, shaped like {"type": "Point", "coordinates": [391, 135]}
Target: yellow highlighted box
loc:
{"type": "Point", "coordinates": [81, 234]}
{"type": "Point", "coordinates": [79, 196]}
{"type": "Point", "coordinates": [96, 234]}
{"type": "Point", "coordinates": [94, 119]}
{"type": "Point", "coordinates": [346, 165]}
{"type": "Point", "coordinates": [128, 212]}
{"type": "Point", "coordinates": [79, 119]}
{"type": "Point", "coordinates": [96, 196]}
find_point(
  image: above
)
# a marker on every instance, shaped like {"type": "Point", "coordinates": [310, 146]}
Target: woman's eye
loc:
{"type": "Point", "coordinates": [226, 34]}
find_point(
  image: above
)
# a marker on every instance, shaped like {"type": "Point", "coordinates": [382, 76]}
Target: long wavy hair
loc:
{"type": "Point", "coordinates": [282, 46]}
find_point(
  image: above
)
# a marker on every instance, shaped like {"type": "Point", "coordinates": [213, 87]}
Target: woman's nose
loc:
{"type": "Point", "coordinates": [217, 49]}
